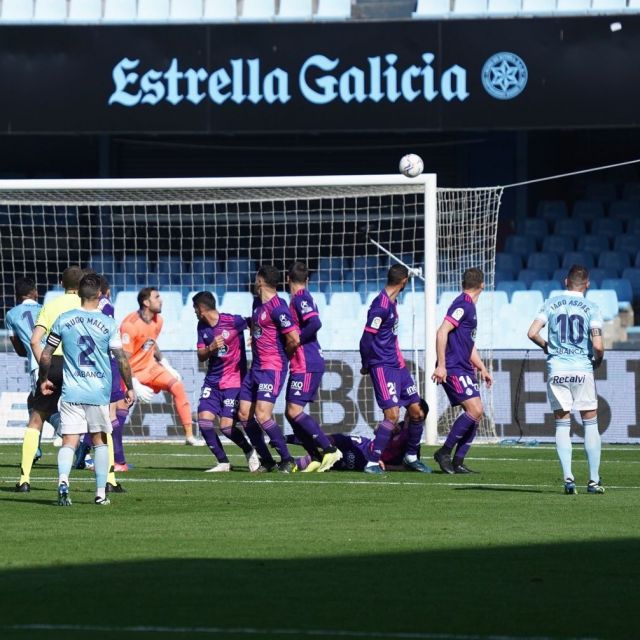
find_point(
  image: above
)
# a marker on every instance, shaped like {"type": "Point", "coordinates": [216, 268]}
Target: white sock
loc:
{"type": "Point", "coordinates": [592, 447]}
{"type": "Point", "coordinates": [410, 457]}
{"type": "Point", "coordinates": [563, 446]}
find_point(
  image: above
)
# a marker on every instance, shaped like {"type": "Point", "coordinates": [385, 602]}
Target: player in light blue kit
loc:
{"type": "Point", "coordinates": [87, 336]}
{"type": "Point", "coordinates": [574, 349]}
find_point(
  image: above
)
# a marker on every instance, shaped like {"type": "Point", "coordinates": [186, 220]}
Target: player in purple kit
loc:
{"type": "Point", "coordinates": [457, 362]}
{"type": "Point", "coordinates": [274, 338]}
{"type": "Point", "coordinates": [221, 343]}
{"type": "Point", "coordinates": [393, 385]}
{"type": "Point", "coordinates": [306, 367]}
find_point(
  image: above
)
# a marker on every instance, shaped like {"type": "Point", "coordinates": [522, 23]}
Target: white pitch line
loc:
{"type": "Point", "coordinates": [249, 631]}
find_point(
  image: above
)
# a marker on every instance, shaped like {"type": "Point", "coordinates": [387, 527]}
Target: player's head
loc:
{"type": "Point", "coordinates": [267, 276]}
{"type": "Point", "coordinates": [25, 288]}
{"type": "Point", "coordinates": [398, 274]}
{"type": "Point", "coordinates": [70, 278]}
{"type": "Point", "coordinates": [577, 278]}
{"type": "Point", "coordinates": [472, 279]}
{"type": "Point", "coordinates": [104, 286]}
{"type": "Point", "coordinates": [149, 298]}
{"type": "Point", "coordinates": [202, 302]}
{"type": "Point", "coordinates": [298, 273]}
{"type": "Point", "coordinates": [89, 287]}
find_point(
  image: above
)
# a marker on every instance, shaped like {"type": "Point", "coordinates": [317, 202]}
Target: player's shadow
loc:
{"type": "Point", "coordinates": [509, 489]}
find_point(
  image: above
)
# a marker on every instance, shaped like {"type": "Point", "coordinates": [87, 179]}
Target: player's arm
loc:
{"type": "Point", "coordinates": [46, 386]}
{"type": "Point", "coordinates": [442, 336]}
{"type": "Point", "coordinates": [284, 323]}
{"type": "Point", "coordinates": [18, 347]}
{"type": "Point", "coordinates": [206, 351]}
{"type": "Point", "coordinates": [165, 363]}
{"type": "Point", "coordinates": [37, 335]}
{"type": "Point", "coordinates": [375, 317]}
{"type": "Point", "coordinates": [598, 346]}
{"type": "Point", "coordinates": [534, 334]}
{"type": "Point", "coordinates": [125, 372]}
{"type": "Point", "coordinates": [476, 361]}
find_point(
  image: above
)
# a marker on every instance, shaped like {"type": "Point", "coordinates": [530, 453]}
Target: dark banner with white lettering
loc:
{"type": "Point", "coordinates": [379, 76]}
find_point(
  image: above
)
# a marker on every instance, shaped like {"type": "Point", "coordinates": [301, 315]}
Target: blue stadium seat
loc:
{"type": "Point", "coordinates": [628, 243]}
{"type": "Point", "coordinates": [601, 191]}
{"type": "Point", "coordinates": [529, 275]}
{"type": "Point", "coordinates": [558, 244]}
{"type": "Point", "coordinates": [332, 287]}
{"type": "Point", "coordinates": [587, 211]}
{"type": "Point", "coordinates": [547, 261]}
{"type": "Point", "coordinates": [536, 227]}
{"type": "Point", "coordinates": [624, 210]}
{"type": "Point", "coordinates": [524, 245]}
{"type": "Point", "coordinates": [205, 269]}
{"type": "Point", "coordinates": [570, 227]}
{"type": "Point", "coordinates": [545, 287]}
{"type": "Point", "coordinates": [504, 274]}
{"type": "Point", "coordinates": [607, 301]}
{"type": "Point", "coordinates": [104, 263]}
{"type": "Point", "coordinates": [171, 265]}
{"type": "Point", "coordinates": [622, 287]}
{"type": "Point", "coordinates": [239, 272]}
{"type": "Point", "coordinates": [633, 226]}
{"type": "Point", "coordinates": [371, 286]}
{"type": "Point", "coordinates": [511, 286]}
{"type": "Point", "coordinates": [135, 268]}
{"type": "Point", "coordinates": [552, 210]}
{"type": "Point", "coordinates": [583, 258]}
{"type": "Point", "coordinates": [633, 276]}
{"type": "Point", "coordinates": [560, 275]}
{"type": "Point", "coordinates": [511, 261]}
{"type": "Point", "coordinates": [369, 262]}
{"type": "Point", "coordinates": [631, 191]}
{"type": "Point", "coordinates": [593, 243]}
{"type": "Point", "coordinates": [598, 274]}
{"type": "Point", "coordinates": [610, 227]}
{"type": "Point", "coordinates": [614, 260]}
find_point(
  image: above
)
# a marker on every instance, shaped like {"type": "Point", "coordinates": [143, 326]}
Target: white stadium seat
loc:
{"type": "Point", "coordinates": [17, 10]}
{"type": "Point", "coordinates": [608, 5]}
{"type": "Point", "coordinates": [171, 306]}
{"type": "Point", "coordinates": [295, 10]}
{"type": "Point", "coordinates": [119, 11]}
{"type": "Point", "coordinates": [85, 10]}
{"type": "Point", "coordinates": [538, 6]}
{"type": "Point", "coordinates": [580, 6]}
{"type": "Point", "coordinates": [124, 304]}
{"type": "Point", "coordinates": [50, 11]}
{"type": "Point", "coordinates": [333, 9]}
{"type": "Point", "coordinates": [607, 301]}
{"type": "Point", "coordinates": [470, 6]}
{"type": "Point", "coordinates": [505, 6]}
{"type": "Point", "coordinates": [186, 10]}
{"type": "Point", "coordinates": [153, 10]}
{"type": "Point", "coordinates": [239, 302]}
{"type": "Point", "coordinates": [431, 8]}
{"type": "Point", "coordinates": [256, 10]}
{"type": "Point", "coordinates": [220, 10]}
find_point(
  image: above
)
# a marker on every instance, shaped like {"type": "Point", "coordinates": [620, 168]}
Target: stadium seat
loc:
{"type": "Point", "coordinates": [526, 303]}
{"type": "Point", "coordinates": [631, 191]}
{"type": "Point", "coordinates": [593, 243]}
{"type": "Point", "coordinates": [627, 243]}
{"type": "Point", "coordinates": [633, 276]}
{"type": "Point", "coordinates": [295, 10]}
{"type": "Point", "coordinates": [171, 306]}
{"type": "Point", "coordinates": [510, 287]}
{"type": "Point", "coordinates": [369, 262]}
{"type": "Point", "coordinates": [570, 227]}
{"type": "Point", "coordinates": [50, 11]}
{"type": "Point", "coordinates": [607, 302]}
{"type": "Point", "coordinates": [240, 302]}
{"type": "Point", "coordinates": [135, 268]}
{"type": "Point", "coordinates": [511, 261]}
{"type": "Point", "coordinates": [333, 10]}
{"type": "Point", "coordinates": [17, 10]}
{"type": "Point", "coordinates": [153, 10]}
{"type": "Point", "coordinates": [85, 10]}
{"type": "Point", "coordinates": [536, 227]}
{"type": "Point", "coordinates": [545, 287]}
{"type": "Point", "coordinates": [560, 275]}
{"type": "Point", "coordinates": [124, 303]}
{"type": "Point", "coordinates": [470, 6]}
{"type": "Point", "coordinates": [332, 287]}
{"type": "Point", "coordinates": [239, 272]}
{"type": "Point", "coordinates": [186, 10]}
{"type": "Point", "coordinates": [550, 210]}
{"type": "Point", "coordinates": [220, 10]}
{"type": "Point", "coordinates": [119, 11]}
{"type": "Point", "coordinates": [103, 263]}
{"type": "Point", "coordinates": [504, 274]}
{"type": "Point", "coordinates": [529, 275]}
{"type": "Point", "coordinates": [447, 297]}
{"type": "Point", "coordinates": [617, 260]}
{"type": "Point", "coordinates": [547, 261]}
{"type": "Point", "coordinates": [258, 10]}
{"type": "Point", "coordinates": [558, 244]}
{"type": "Point", "coordinates": [574, 6]}
{"type": "Point", "coordinates": [609, 227]}
{"type": "Point", "coordinates": [587, 211]}
{"type": "Point", "coordinates": [597, 275]}
{"type": "Point", "coordinates": [490, 303]}
{"type": "Point", "coordinates": [538, 6]}
{"type": "Point", "coordinates": [370, 286]}
{"type": "Point", "coordinates": [431, 8]}
{"type": "Point", "coordinates": [583, 258]}
{"type": "Point", "coordinates": [524, 245]}
{"type": "Point", "coordinates": [603, 191]}
{"type": "Point", "coordinates": [623, 290]}
{"type": "Point", "coordinates": [633, 226]}
{"type": "Point", "coordinates": [171, 265]}
{"type": "Point", "coordinates": [410, 301]}
{"type": "Point", "coordinates": [52, 295]}
{"type": "Point", "coordinates": [625, 210]}
{"type": "Point", "coordinates": [510, 7]}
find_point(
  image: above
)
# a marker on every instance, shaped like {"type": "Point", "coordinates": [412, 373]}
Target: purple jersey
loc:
{"type": "Point", "coordinates": [356, 450]}
{"type": "Point", "coordinates": [382, 321]}
{"type": "Point", "coordinates": [117, 392]}
{"type": "Point", "coordinates": [308, 357]}
{"type": "Point", "coordinates": [269, 323]}
{"type": "Point", "coordinates": [106, 307]}
{"type": "Point", "coordinates": [460, 343]}
{"type": "Point", "coordinates": [228, 366]}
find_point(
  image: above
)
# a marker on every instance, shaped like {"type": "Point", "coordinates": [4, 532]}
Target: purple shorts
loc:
{"type": "Point", "coordinates": [302, 387]}
{"type": "Point", "coordinates": [221, 402]}
{"type": "Point", "coordinates": [262, 385]}
{"type": "Point", "coordinates": [393, 387]}
{"type": "Point", "coordinates": [117, 392]}
{"type": "Point", "coordinates": [461, 386]}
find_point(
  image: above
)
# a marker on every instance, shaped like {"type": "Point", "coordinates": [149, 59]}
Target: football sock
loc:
{"type": "Point", "coordinates": [415, 431]}
{"type": "Point", "coordinates": [277, 438]}
{"type": "Point", "coordinates": [464, 444]}
{"type": "Point", "coordinates": [118, 446]}
{"type": "Point", "coordinates": [563, 446]}
{"type": "Point", "coordinates": [303, 438]}
{"type": "Point", "coordinates": [208, 432]}
{"type": "Point", "coordinates": [101, 461]}
{"type": "Point", "coordinates": [459, 428]}
{"type": "Point", "coordinates": [183, 407]}
{"type": "Point", "coordinates": [592, 447]}
{"type": "Point", "coordinates": [256, 437]}
{"type": "Point", "coordinates": [111, 476]}
{"type": "Point", "coordinates": [384, 431]}
{"type": "Point", "coordinates": [65, 461]}
{"type": "Point", "coordinates": [237, 437]}
{"type": "Point", "coordinates": [303, 463]}
{"type": "Point", "coordinates": [311, 427]}
{"type": "Point", "coordinates": [29, 448]}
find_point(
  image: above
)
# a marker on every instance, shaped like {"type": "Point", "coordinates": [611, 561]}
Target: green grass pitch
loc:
{"type": "Point", "coordinates": [183, 554]}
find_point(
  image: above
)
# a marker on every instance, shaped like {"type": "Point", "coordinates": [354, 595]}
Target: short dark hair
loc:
{"type": "Point", "coordinates": [578, 276]}
{"type": "Point", "coordinates": [71, 277]}
{"type": "Point", "coordinates": [472, 278]}
{"type": "Point", "coordinates": [89, 286]}
{"type": "Point", "coordinates": [145, 294]}
{"type": "Point", "coordinates": [24, 286]}
{"type": "Point", "coordinates": [298, 272]}
{"type": "Point", "coordinates": [205, 298]}
{"type": "Point", "coordinates": [397, 273]}
{"type": "Point", "coordinates": [104, 285]}
{"type": "Point", "coordinates": [270, 274]}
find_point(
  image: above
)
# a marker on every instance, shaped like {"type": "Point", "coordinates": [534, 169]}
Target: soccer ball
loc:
{"type": "Point", "coordinates": [411, 165]}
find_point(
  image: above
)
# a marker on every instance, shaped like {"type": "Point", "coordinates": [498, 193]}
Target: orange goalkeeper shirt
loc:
{"type": "Point", "coordinates": [139, 340]}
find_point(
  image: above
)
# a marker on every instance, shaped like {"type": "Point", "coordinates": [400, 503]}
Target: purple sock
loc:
{"type": "Point", "coordinates": [459, 428]}
{"type": "Point", "coordinates": [303, 463]}
{"type": "Point", "coordinates": [304, 439]}
{"type": "Point", "coordinates": [464, 444]}
{"type": "Point", "coordinates": [415, 431]}
{"type": "Point", "coordinates": [118, 447]}
{"type": "Point", "coordinates": [277, 438]}
{"type": "Point", "coordinates": [384, 431]}
{"type": "Point", "coordinates": [86, 441]}
{"type": "Point", "coordinates": [312, 428]}
{"type": "Point", "coordinates": [256, 438]}
{"type": "Point", "coordinates": [237, 437]}
{"type": "Point", "coordinates": [211, 438]}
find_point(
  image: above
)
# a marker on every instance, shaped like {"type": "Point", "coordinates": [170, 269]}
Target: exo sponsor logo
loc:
{"type": "Point", "coordinates": [265, 386]}
{"type": "Point", "coordinates": [230, 402]}
{"type": "Point", "coordinates": [411, 390]}
{"type": "Point", "coordinates": [565, 379]}
{"type": "Point", "coordinates": [296, 384]}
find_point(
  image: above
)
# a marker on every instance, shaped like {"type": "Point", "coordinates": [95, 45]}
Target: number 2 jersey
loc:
{"type": "Point", "coordinates": [570, 318]}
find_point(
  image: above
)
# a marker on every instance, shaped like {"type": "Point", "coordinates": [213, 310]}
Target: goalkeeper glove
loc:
{"type": "Point", "coordinates": [143, 393]}
{"type": "Point", "coordinates": [165, 363]}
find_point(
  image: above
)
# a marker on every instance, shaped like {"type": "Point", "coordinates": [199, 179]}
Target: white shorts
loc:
{"type": "Point", "coordinates": [82, 418]}
{"type": "Point", "coordinates": [569, 391]}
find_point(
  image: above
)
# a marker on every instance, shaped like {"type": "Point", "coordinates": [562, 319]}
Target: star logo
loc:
{"type": "Point", "coordinates": [504, 75]}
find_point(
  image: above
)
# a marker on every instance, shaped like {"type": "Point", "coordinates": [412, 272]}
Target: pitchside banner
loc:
{"type": "Point", "coordinates": [405, 75]}
{"type": "Point", "coordinates": [346, 402]}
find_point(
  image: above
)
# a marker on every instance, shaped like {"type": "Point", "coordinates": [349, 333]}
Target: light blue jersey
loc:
{"type": "Point", "coordinates": [570, 317]}
{"type": "Point", "coordinates": [21, 320]}
{"type": "Point", "coordinates": [86, 338]}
